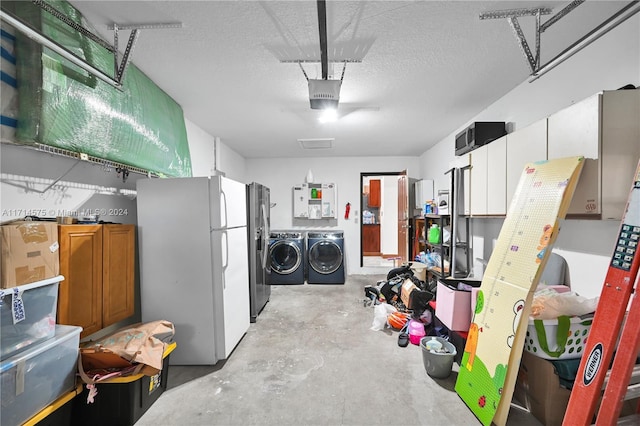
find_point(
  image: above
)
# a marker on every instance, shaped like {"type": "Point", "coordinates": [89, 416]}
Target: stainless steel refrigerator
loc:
{"type": "Point", "coordinates": [193, 263]}
{"type": "Point", "coordinates": [258, 222]}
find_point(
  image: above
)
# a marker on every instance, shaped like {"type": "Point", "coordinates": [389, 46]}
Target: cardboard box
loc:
{"type": "Point", "coordinates": [29, 253]}
{"type": "Point", "coordinates": [407, 287]}
{"type": "Point", "coordinates": [538, 389]}
{"type": "Point", "coordinates": [453, 307]}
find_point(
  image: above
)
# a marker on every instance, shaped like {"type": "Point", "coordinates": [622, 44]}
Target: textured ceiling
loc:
{"type": "Point", "coordinates": [427, 67]}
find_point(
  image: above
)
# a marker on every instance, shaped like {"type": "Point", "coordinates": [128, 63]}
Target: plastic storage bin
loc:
{"type": "Point", "coordinates": [34, 378]}
{"type": "Point", "coordinates": [453, 307]}
{"type": "Point", "coordinates": [34, 308]}
{"type": "Point", "coordinates": [123, 400]}
{"type": "Point", "coordinates": [58, 413]}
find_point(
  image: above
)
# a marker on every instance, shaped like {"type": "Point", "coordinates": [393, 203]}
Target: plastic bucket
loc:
{"type": "Point", "coordinates": [419, 270]}
{"type": "Point", "coordinates": [437, 356]}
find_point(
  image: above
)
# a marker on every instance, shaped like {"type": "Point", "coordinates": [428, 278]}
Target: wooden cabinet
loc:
{"type": "Point", "coordinates": [605, 129]}
{"type": "Point", "coordinates": [97, 262]}
{"type": "Point", "coordinates": [418, 242]}
{"type": "Point", "coordinates": [80, 294]}
{"type": "Point", "coordinates": [374, 193]}
{"type": "Point", "coordinates": [118, 268]}
{"type": "Point", "coordinates": [370, 240]}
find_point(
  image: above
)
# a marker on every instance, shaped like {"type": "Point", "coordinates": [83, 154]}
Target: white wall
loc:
{"type": "Point", "coordinates": [607, 64]}
{"type": "Point", "coordinates": [280, 175]}
{"type": "Point", "coordinates": [201, 149]}
{"type": "Point", "coordinates": [80, 188]}
{"type": "Point", "coordinates": [209, 155]}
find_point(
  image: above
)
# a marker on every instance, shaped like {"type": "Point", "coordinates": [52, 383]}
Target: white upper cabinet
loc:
{"type": "Point", "coordinates": [487, 177]}
{"type": "Point", "coordinates": [524, 146]}
{"type": "Point", "coordinates": [497, 177]}
{"type": "Point", "coordinates": [605, 129]}
{"type": "Point", "coordinates": [478, 181]}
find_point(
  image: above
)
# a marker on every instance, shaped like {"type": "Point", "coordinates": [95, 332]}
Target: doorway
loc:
{"type": "Point", "coordinates": [383, 219]}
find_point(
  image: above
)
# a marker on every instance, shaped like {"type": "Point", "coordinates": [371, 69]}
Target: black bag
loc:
{"type": "Point", "coordinates": [419, 301]}
{"type": "Point", "coordinates": [402, 270]}
{"type": "Point", "coordinates": [391, 289]}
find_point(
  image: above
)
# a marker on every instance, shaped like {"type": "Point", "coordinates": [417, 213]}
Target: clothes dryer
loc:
{"type": "Point", "coordinates": [325, 257]}
{"type": "Point", "coordinates": [286, 257]}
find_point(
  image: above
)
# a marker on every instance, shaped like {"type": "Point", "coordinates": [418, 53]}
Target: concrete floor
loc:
{"type": "Point", "coordinates": [311, 359]}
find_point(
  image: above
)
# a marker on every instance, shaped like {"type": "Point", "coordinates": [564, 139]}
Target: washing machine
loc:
{"type": "Point", "coordinates": [287, 257]}
{"type": "Point", "coordinates": [325, 257]}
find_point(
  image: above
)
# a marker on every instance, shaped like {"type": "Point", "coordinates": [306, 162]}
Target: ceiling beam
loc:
{"type": "Point", "coordinates": [322, 26]}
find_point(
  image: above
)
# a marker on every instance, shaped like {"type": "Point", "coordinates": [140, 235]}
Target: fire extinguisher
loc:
{"type": "Point", "coordinates": [347, 209]}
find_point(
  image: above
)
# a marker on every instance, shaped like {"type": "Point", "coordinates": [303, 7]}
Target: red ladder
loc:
{"type": "Point", "coordinates": [621, 279]}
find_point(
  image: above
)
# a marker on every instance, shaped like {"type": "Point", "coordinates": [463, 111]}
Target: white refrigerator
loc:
{"type": "Point", "coordinates": [192, 237]}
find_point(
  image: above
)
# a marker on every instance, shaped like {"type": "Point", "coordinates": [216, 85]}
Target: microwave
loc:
{"type": "Point", "coordinates": [477, 134]}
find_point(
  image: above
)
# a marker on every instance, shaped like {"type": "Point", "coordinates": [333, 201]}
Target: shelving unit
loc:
{"type": "Point", "coordinates": [445, 248]}
{"type": "Point", "coordinates": [315, 201]}
{"type": "Point", "coordinates": [418, 243]}
{"type": "Point", "coordinates": [459, 263]}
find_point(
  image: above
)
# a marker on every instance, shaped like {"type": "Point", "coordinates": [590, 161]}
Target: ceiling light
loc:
{"type": "Point", "coordinates": [324, 94]}
{"type": "Point", "coordinates": [328, 115]}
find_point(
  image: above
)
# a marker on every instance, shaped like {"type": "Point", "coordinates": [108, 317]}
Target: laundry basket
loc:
{"type": "Point", "coordinates": [437, 356]}
{"type": "Point", "coordinates": [560, 338]}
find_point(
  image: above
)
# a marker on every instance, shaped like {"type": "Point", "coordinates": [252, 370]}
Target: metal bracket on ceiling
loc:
{"type": "Point", "coordinates": [512, 16]}
{"type": "Point", "coordinates": [119, 69]}
{"type": "Point", "coordinates": [344, 67]}
{"type": "Point", "coordinates": [538, 70]}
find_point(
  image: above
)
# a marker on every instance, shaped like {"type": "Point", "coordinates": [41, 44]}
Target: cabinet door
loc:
{"type": "Point", "coordinates": [620, 148]}
{"type": "Point", "coordinates": [478, 181]}
{"type": "Point", "coordinates": [524, 146]}
{"type": "Point", "coordinates": [80, 294]}
{"type": "Point", "coordinates": [118, 271]}
{"type": "Point", "coordinates": [497, 177]}
{"type": "Point", "coordinates": [374, 193]}
{"type": "Point", "coordinates": [576, 131]}
{"type": "Point", "coordinates": [371, 240]}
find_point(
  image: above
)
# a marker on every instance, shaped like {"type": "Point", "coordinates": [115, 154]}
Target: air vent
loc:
{"type": "Point", "coordinates": [326, 143]}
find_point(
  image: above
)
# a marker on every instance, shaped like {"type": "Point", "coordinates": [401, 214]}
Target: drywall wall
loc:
{"type": "Point", "coordinates": [201, 148]}
{"type": "Point", "coordinates": [46, 185]}
{"type": "Point", "coordinates": [607, 64]}
{"type": "Point", "coordinates": [280, 175]}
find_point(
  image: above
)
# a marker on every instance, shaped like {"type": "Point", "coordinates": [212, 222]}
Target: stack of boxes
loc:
{"type": "Point", "coordinates": [38, 358]}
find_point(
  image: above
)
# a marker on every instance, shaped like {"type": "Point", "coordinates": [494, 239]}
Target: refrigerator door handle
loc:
{"type": "Point", "coordinates": [223, 209]}
{"type": "Point", "coordinates": [265, 238]}
{"type": "Point", "coordinates": [225, 257]}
